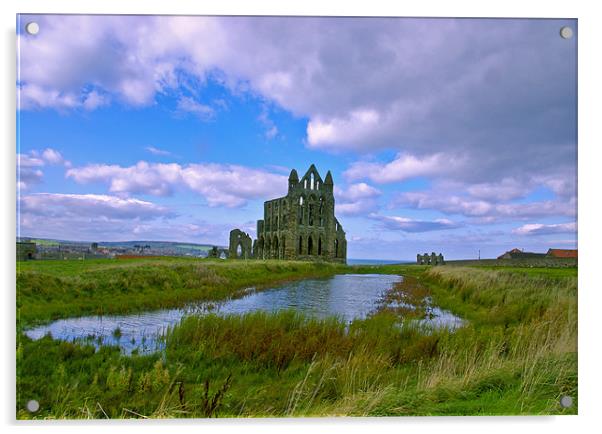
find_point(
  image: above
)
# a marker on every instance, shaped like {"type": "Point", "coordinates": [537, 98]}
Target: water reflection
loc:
{"type": "Point", "coordinates": [348, 296]}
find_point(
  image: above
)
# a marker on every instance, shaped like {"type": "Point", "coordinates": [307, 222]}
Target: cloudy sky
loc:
{"type": "Point", "coordinates": [442, 135]}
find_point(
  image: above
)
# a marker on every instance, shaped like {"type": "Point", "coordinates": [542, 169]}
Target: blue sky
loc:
{"type": "Point", "coordinates": [442, 135]}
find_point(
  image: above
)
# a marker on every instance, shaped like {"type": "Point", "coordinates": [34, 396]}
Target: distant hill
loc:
{"type": "Point", "coordinates": [154, 245]}
{"type": "Point", "coordinates": [157, 244]}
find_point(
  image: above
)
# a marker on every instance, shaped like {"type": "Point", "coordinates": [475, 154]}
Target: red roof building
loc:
{"type": "Point", "coordinates": [562, 253]}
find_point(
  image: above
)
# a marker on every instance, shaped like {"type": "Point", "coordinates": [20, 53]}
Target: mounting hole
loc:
{"type": "Point", "coordinates": [566, 401]}
{"type": "Point", "coordinates": [566, 32]}
{"type": "Point", "coordinates": [32, 406]}
{"type": "Point", "coordinates": [32, 28]}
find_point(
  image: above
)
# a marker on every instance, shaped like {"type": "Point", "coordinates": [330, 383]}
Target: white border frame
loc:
{"type": "Point", "coordinates": [590, 71]}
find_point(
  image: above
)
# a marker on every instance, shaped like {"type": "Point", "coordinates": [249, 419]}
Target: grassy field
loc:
{"type": "Point", "coordinates": [516, 355]}
{"type": "Point", "coordinates": [529, 262]}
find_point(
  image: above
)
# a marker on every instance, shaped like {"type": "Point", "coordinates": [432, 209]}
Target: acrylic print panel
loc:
{"type": "Point", "coordinates": [295, 216]}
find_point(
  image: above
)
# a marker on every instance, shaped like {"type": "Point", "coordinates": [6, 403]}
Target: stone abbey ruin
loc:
{"type": "Point", "coordinates": [298, 226]}
{"type": "Point", "coordinates": [240, 245]}
{"type": "Point", "coordinates": [432, 259]}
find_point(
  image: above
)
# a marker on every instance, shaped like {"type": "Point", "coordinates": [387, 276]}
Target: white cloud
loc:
{"type": "Point", "coordinates": [109, 218]}
{"type": "Point", "coordinates": [506, 189]}
{"type": "Point", "coordinates": [198, 231]}
{"type": "Point", "coordinates": [57, 68]}
{"type": "Point", "coordinates": [448, 204]}
{"type": "Point", "coordinates": [563, 184]}
{"type": "Point", "coordinates": [157, 151]}
{"type": "Point", "coordinates": [486, 211]}
{"type": "Point", "coordinates": [356, 208]}
{"type": "Point", "coordinates": [543, 229]}
{"type": "Point", "coordinates": [103, 207]}
{"type": "Point", "coordinates": [28, 176]}
{"type": "Point", "coordinates": [410, 225]}
{"type": "Point", "coordinates": [403, 167]}
{"type": "Point", "coordinates": [538, 209]}
{"type": "Point", "coordinates": [232, 185]}
{"type": "Point", "coordinates": [363, 84]}
{"type": "Point", "coordinates": [271, 130]}
{"type": "Point", "coordinates": [356, 191]}
{"type": "Point", "coordinates": [94, 217]}
{"type": "Point", "coordinates": [29, 160]}
{"type": "Point", "coordinates": [33, 96]}
{"type": "Point", "coordinates": [35, 158]}
{"type": "Point", "coordinates": [420, 87]}
{"type": "Point", "coordinates": [356, 128]}
{"type": "Point", "coordinates": [28, 166]}
{"type": "Point", "coordinates": [202, 111]}
{"type": "Point", "coordinates": [94, 100]}
{"type": "Point", "coordinates": [52, 156]}
{"type": "Point", "coordinates": [157, 179]}
{"type": "Point", "coordinates": [357, 199]}
{"type": "Point", "coordinates": [220, 185]}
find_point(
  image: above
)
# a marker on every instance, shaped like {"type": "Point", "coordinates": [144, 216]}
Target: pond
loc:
{"type": "Point", "coordinates": [348, 296]}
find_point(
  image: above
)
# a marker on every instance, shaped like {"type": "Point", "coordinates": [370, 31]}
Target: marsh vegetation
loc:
{"type": "Point", "coordinates": [516, 353]}
{"type": "Point", "coordinates": [50, 290]}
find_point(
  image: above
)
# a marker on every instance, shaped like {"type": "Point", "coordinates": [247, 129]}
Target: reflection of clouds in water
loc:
{"type": "Point", "coordinates": [348, 296]}
{"type": "Point", "coordinates": [440, 318]}
{"type": "Point", "coordinates": [434, 317]}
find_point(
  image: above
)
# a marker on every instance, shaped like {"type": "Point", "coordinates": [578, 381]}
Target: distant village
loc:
{"type": "Point", "coordinates": [43, 249]}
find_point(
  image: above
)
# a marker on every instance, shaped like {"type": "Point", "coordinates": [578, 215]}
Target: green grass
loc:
{"type": "Point", "coordinates": [517, 355]}
{"type": "Point", "coordinates": [505, 297]}
{"type": "Point", "coordinates": [559, 273]}
{"type": "Point", "coordinates": [529, 262]}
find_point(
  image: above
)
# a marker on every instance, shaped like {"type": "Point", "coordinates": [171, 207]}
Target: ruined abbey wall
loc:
{"type": "Point", "coordinates": [302, 224]}
{"type": "Point", "coordinates": [240, 246]}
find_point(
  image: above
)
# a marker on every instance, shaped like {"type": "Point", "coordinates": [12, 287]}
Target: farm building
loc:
{"type": "Point", "coordinates": [562, 253]}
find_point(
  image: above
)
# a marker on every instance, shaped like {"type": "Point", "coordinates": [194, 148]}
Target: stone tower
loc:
{"type": "Point", "coordinates": [302, 225]}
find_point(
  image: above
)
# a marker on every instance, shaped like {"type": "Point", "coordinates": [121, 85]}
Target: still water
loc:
{"type": "Point", "coordinates": [348, 296]}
